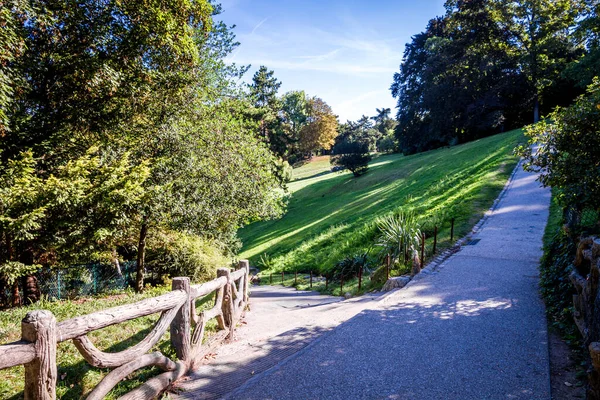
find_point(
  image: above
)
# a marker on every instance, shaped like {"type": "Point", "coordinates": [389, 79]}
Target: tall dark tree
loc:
{"type": "Point", "coordinates": [583, 70]}
{"type": "Point", "coordinates": [472, 72]}
{"type": "Point", "coordinates": [541, 30]}
{"type": "Point", "coordinates": [264, 87]}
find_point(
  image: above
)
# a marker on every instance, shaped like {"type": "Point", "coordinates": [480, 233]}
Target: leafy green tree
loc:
{"type": "Point", "coordinates": [294, 114]}
{"type": "Point", "coordinates": [264, 87]}
{"type": "Point", "coordinates": [351, 155]}
{"type": "Point", "coordinates": [569, 151]}
{"type": "Point", "coordinates": [541, 30]}
{"type": "Point", "coordinates": [146, 88]}
{"type": "Point", "coordinates": [583, 70]}
{"type": "Point", "coordinates": [267, 107]}
{"type": "Point", "coordinates": [86, 207]}
{"type": "Point", "coordinates": [383, 122]}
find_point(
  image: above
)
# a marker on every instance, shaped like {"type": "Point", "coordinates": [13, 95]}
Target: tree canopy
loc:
{"type": "Point", "coordinates": [485, 67]}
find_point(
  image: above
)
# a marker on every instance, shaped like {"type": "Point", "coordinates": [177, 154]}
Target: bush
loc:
{"type": "Point", "coordinates": [569, 151]}
{"type": "Point", "coordinates": [387, 144]}
{"type": "Point", "coordinates": [353, 156]}
{"type": "Point", "coordinates": [179, 254]}
{"type": "Point", "coordinates": [349, 267]}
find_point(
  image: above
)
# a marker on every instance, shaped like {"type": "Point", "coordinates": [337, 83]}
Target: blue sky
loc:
{"type": "Point", "coordinates": [344, 52]}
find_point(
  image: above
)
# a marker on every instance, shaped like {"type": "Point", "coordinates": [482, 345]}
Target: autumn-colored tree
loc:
{"type": "Point", "coordinates": [320, 130]}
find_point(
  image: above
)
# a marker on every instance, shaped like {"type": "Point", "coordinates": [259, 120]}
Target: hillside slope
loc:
{"type": "Point", "coordinates": [332, 215]}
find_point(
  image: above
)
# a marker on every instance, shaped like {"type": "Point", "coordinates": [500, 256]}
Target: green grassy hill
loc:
{"type": "Point", "coordinates": [332, 215]}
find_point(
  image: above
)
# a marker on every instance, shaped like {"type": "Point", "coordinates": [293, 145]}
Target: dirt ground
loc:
{"type": "Point", "coordinates": [564, 366]}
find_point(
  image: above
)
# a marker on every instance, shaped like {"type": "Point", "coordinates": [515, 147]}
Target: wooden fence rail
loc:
{"type": "Point", "coordinates": [41, 334]}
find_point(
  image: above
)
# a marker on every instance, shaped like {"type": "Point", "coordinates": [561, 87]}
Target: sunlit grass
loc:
{"type": "Point", "coordinates": [331, 215]}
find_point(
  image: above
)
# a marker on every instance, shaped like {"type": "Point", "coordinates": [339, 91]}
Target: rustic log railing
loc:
{"type": "Point", "coordinates": [41, 334]}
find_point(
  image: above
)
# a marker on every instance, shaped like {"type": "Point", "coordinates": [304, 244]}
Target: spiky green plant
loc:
{"type": "Point", "coordinates": [400, 234]}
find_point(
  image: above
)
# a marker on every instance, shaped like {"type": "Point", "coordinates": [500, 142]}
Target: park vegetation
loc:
{"type": "Point", "coordinates": [124, 135]}
{"type": "Point", "coordinates": [488, 66]}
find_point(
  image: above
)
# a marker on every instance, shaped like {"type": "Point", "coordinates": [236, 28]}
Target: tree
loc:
{"type": "Point", "coordinates": [472, 72]}
{"type": "Point", "coordinates": [294, 114]}
{"type": "Point", "coordinates": [85, 208]}
{"type": "Point", "coordinates": [352, 155]}
{"type": "Point", "coordinates": [569, 151]}
{"type": "Point", "coordinates": [320, 130]}
{"type": "Point", "coordinates": [383, 122]}
{"type": "Point", "coordinates": [583, 70]}
{"type": "Point", "coordinates": [541, 29]}
{"type": "Point", "coordinates": [264, 87]}
{"type": "Point", "coordinates": [127, 111]}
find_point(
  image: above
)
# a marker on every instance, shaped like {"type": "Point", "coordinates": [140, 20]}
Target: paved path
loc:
{"type": "Point", "coordinates": [282, 321]}
{"type": "Point", "coordinates": [474, 329]}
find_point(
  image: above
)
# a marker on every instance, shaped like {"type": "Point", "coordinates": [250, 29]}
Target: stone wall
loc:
{"type": "Point", "coordinates": [586, 279]}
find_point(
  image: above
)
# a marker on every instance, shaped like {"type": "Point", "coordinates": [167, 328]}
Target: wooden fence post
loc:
{"type": "Point", "coordinates": [228, 310]}
{"type": "Point", "coordinates": [452, 230]}
{"type": "Point", "coordinates": [360, 277]}
{"type": "Point", "coordinates": [311, 278]}
{"type": "Point", "coordinates": [434, 239]}
{"type": "Point", "coordinates": [388, 261]}
{"type": "Point", "coordinates": [245, 265]}
{"type": "Point", "coordinates": [39, 327]}
{"type": "Point", "coordinates": [422, 249]}
{"type": "Point", "coordinates": [181, 328]}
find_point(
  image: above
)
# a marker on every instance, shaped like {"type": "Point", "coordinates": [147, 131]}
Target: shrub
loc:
{"type": "Point", "coordinates": [180, 254]}
{"type": "Point", "coordinates": [400, 234]}
{"type": "Point", "coordinates": [387, 144]}
{"type": "Point", "coordinates": [569, 151]}
{"type": "Point", "coordinates": [353, 156]}
{"type": "Point", "coordinates": [349, 267]}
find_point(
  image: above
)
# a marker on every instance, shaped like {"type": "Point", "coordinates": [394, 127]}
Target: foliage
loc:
{"type": "Point", "coordinates": [555, 267]}
{"type": "Point", "coordinates": [180, 254]}
{"type": "Point", "coordinates": [399, 235]}
{"type": "Point", "coordinates": [124, 119]}
{"type": "Point", "coordinates": [569, 150]}
{"type": "Point", "coordinates": [353, 156]}
{"type": "Point", "coordinates": [38, 213]}
{"type": "Point", "coordinates": [10, 271]}
{"type": "Point", "coordinates": [320, 130]}
{"type": "Point", "coordinates": [264, 87]}
{"type": "Point", "coordinates": [474, 71]}
{"type": "Point", "coordinates": [350, 267]}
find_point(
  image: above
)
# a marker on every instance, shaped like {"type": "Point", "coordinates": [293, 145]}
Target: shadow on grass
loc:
{"type": "Point", "coordinates": [383, 189]}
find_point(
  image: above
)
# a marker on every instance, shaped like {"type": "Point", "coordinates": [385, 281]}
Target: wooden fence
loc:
{"type": "Point", "coordinates": [41, 334]}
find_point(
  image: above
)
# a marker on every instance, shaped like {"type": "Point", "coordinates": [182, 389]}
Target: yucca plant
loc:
{"type": "Point", "coordinates": [400, 235]}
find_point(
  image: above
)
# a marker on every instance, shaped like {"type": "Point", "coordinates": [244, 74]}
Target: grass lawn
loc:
{"type": "Point", "coordinates": [332, 215]}
{"type": "Point", "coordinates": [76, 378]}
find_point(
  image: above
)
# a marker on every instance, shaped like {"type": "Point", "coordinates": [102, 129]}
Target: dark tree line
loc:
{"type": "Point", "coordinates": [487, 66]}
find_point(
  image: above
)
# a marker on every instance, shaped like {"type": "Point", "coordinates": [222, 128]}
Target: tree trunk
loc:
{"type": "Point", "coordinates": [115, 261]}
{"type": "Point", "coordinates": [16, 297]}
{"type": "Point", "coordinates": [31, 289]}
{"type": "Point", "coordinates": [536, 109]}
{"type": "Point", "coordinates": [139, 278]}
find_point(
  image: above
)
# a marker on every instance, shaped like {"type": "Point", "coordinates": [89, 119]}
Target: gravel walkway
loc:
{"type": "Point", "coordinates": [473, 329]}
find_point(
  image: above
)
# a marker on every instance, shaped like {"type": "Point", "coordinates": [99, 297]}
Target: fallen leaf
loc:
{"type": "Point", "coordinates": [568, 384]}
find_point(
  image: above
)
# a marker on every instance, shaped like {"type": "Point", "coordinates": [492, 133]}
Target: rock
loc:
{"type": "Point", "coordinates": [347, 295]}
{"type": "Point", "coordinates": [397, 282]}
